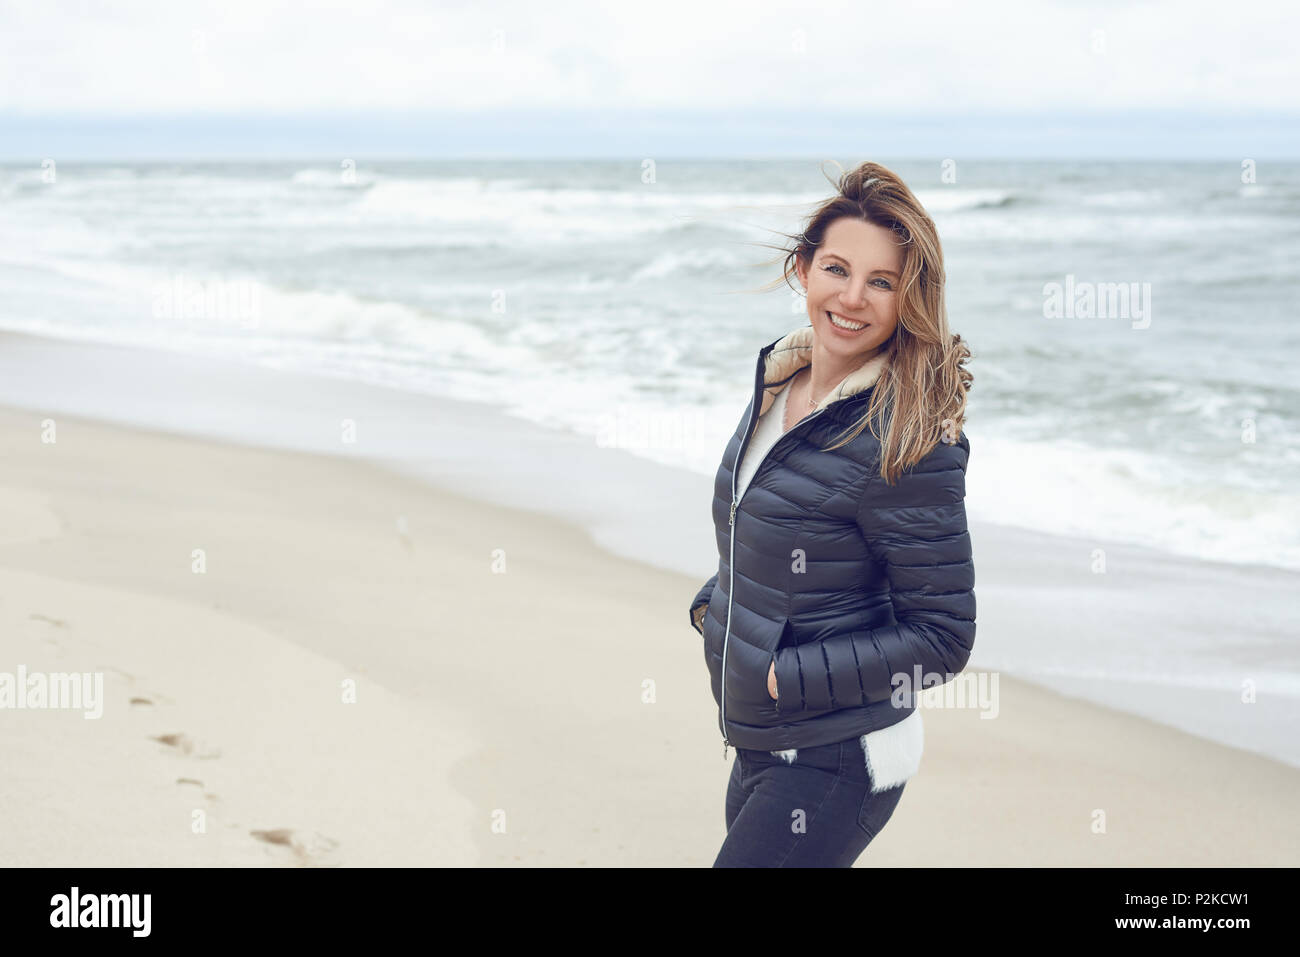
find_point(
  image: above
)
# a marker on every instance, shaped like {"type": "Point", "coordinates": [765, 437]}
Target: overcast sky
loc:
{"type": "Point", "coordinates": [716, 75]}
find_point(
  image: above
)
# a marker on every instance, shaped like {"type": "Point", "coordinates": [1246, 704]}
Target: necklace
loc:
{"type": "Point", "coordinates": [812, 405]}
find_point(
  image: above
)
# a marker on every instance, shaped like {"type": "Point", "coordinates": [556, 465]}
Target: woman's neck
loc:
{"type": "Point", "coordinates": [827, 370]}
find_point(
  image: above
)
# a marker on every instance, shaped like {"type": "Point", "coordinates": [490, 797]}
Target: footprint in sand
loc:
{"type": "Point", "coordinates": [307, 846]}
{"type": "Point", "coordinates": [147, 699]}
{"type": "Point", "coordinates": [185, 744]}
{"type": "Point", "coordinates": [180, 741]}
{"type": "Point", "coordinates": [207, 795]}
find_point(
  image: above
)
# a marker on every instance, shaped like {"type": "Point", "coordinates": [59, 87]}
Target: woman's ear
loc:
{"type": "Point", "coordinates": [801, 270]}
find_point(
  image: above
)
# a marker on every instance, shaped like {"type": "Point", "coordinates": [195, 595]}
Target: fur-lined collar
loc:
{"type": "Point", "coordinates": [793, 351]}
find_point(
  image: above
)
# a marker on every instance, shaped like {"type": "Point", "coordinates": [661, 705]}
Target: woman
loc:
{"type": "Point", "coordinates": [845, 570]}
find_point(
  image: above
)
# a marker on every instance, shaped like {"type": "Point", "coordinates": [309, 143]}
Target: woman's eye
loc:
{"type": "Point", "coordinates": [882, 283]}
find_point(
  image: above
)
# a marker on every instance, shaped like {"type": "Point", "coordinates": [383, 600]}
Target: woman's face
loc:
{"type": "Point", "coordinates": [854, 275]}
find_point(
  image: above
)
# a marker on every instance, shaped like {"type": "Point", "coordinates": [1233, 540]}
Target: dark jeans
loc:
{"type": "Point", "coordinates": [815, 812]}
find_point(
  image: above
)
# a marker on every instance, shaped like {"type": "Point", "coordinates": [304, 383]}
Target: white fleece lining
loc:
{"type": "Point", "coordinates": [892, 754]}
{"type": "Point", "coordinates": [793, 351]}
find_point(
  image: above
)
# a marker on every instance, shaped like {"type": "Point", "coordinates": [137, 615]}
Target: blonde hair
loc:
{"type": "Point", "coordinates": [922, 389]}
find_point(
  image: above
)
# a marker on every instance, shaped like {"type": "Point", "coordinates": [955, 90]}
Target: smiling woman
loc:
{"type": "Point", "coordinates": [853, 306]}
{"type": "Point", "coordinates": [844, 559]}
{"type": "Point", "coordinates": [872, 255]}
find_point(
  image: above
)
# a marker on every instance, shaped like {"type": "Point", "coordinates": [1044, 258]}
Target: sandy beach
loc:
{"type": "Point", "coordinates": [377, 397]}
{"type": "Point", "coordinates": [313, 661]}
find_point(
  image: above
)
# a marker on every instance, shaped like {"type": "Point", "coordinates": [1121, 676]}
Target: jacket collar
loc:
{"type": "Point", "coordinates": [787, 355]}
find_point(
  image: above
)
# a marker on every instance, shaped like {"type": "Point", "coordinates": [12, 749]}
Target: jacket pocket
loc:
{"type": "Point", "coordinates": [697, 616]}
{"type": "Point", "coordinates": [786, 639]}
{"type": "Point", "coordinates": [704, 597]}
{"type": "Point", "coordinates": [746, 673]}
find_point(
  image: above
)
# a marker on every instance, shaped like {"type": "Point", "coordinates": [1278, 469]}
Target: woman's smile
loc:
{"type": "Point", "coordinates": [846, 326]}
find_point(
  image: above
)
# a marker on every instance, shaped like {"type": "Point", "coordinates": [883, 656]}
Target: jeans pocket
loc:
{"type": "Point", "coordinates": [878, 808]}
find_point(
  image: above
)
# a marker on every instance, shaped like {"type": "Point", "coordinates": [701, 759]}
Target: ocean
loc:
{"type": "Point", "coordinates": [622, 300]}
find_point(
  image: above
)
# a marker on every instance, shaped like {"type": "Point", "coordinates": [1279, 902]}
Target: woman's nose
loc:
{"type": "Point", "coordinates": [855, 298]}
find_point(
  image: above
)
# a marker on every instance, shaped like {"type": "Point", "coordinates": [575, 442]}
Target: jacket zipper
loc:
{"type": "Point", "coordinates": [731, 589]}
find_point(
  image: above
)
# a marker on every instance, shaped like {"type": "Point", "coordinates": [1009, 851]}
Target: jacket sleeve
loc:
{"type": "Point", "coordinates": [702, 597]}
{"type": "Point", "coordinates": [916, 529]}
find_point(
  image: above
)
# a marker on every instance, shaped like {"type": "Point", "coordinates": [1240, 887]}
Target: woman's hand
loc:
{"type": "Point", "coordinates": [771, 679]}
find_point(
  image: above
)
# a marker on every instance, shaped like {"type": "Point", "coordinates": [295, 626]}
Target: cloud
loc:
{"type": "Point", "coordinates": [683, 55]}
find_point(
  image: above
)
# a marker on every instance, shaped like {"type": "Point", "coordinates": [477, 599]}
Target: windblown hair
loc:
{"type": "Point", "coordinates": [920, 397]}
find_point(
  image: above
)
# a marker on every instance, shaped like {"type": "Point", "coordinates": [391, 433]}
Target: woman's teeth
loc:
{"type": "Point", "coordinates": [845, 324]}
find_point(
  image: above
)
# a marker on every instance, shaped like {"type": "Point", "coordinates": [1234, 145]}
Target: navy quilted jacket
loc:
{"type": "Point", "coordinates": [843, 580]}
